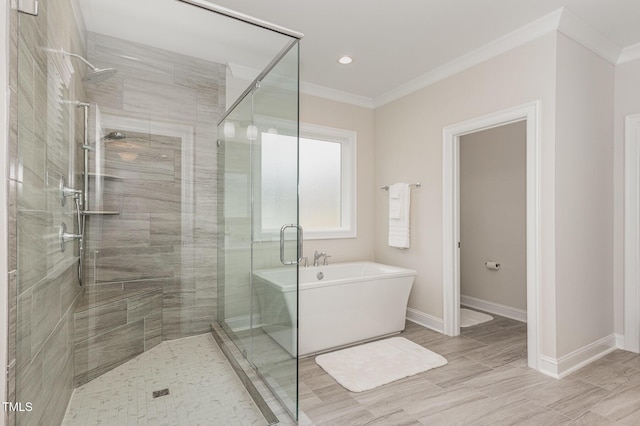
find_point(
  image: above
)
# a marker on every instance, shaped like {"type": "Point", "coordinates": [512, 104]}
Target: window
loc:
{"type": "Point", "coordinates": [327, 185]}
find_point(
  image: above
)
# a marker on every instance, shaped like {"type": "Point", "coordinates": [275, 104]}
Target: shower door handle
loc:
{"type": "Point", "coordinates": [299, 254]}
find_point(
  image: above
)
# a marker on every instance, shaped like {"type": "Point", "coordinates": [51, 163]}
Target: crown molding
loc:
{"type": "Point", "coordinates": [584, 34]}
{"type": "Point", "coordinates": [629, 53]}
{"type": "Point", "coordinates": [335, 95]}
{"type": "Point", "coordinates": [561, 20]}
{"type": "Point", "coordinates": [247, 74]}
{"type": "Point", "coordinates": [522, 35]}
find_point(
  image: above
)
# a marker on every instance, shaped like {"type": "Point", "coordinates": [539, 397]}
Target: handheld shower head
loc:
{"type": "Point", "coordinates": [115, 136]}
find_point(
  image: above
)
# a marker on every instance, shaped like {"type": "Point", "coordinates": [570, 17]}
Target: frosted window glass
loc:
{"type": "Point", "coordinates": [320, 177]}
{"type": "Point", "coordinates": [326, 184]}
{"type": "Point", "coordinates": [278, 161]}
{"type": "Point", "coordinates": [320, 189]}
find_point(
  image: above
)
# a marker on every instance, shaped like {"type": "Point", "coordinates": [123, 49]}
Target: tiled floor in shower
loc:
{"type": "Point", "coordinates": [203, 390]}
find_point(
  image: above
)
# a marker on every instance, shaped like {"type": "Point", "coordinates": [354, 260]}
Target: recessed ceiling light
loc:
{"type": "Point", "coordinates": [345, 60]}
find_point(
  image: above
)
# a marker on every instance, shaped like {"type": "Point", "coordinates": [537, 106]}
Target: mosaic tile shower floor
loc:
{"type": "Point", "coordinates": [203, 390]}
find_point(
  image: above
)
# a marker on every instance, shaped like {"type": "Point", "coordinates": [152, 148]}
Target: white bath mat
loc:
{"type": "Point", "coordinates": [469, 317]}
{"type": "Point", "coordinates": [368, 366]}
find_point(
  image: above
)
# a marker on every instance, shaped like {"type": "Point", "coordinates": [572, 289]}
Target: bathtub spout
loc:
{"type": "Point", "coordinates": [317, 255]}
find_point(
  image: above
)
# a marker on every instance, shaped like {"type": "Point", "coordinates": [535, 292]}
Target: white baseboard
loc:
{"type": "Point", "coordinates": [567, 364]}
{"type": "Point", "coordinates": [425, 320]}
{"type": "Point", "coordinates": [494, 308]}
{"type": "Point", "coordinates": [619, 341]}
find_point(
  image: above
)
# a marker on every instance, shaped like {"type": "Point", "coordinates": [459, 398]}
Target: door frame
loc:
{"type": "Point", "coordinates": [451, 218]}
{"type": "Point", "coordinates": [631, 229]}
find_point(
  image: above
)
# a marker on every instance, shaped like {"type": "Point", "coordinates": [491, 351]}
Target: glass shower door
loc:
{"type": "Point", "coordinates": [277, 244]}
{"type": "Point", "coordinates": [259, 250]}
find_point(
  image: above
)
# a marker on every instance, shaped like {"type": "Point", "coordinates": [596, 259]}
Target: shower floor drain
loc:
{"type": "Point", "coordinates": [161, 392]}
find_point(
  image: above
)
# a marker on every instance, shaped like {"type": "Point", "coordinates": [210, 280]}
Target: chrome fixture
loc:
{"type": "Point", "coordinates": [317, 255]}
{"type": "Point", "coordinates": [306, 261]}
{"type": "Point", "coordinates": [83, 204]}
{"type": "Point", "coordinates": [96, 75]}
{"type": "Point", "coordinates": [300, 239]}
{"type": "Point", "coordinates": [69, 192]}
{"type": "Point", "coordinates": [78, 104]}
{"type": "Point", "coordinates": [99, 74]}
{"type": "Point", "coordinates": [65, 237]}
{"type": "Point", "coordinates": [417, 185]}
{"type": "Point", "coordinates": [115, 136]}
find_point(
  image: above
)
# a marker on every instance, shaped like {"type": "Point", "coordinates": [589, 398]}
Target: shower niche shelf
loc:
{"type": "Point", "coordinates": [104, 176]}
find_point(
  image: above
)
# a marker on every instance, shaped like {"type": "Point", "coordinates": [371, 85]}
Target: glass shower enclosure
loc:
{"type": "Point", "coordinates": [138, 214]}
{"type": "Point", "coordinates": [259, 233]}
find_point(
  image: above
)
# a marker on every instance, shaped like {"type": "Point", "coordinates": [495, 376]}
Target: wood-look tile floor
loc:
{"type": "Point", "coordinates": [486, 382]}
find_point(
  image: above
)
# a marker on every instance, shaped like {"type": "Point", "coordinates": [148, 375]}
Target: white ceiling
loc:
{"type": "Point", "coordinates": [179, 27]}
{"type": "Point", "coordinates": [392, 42]}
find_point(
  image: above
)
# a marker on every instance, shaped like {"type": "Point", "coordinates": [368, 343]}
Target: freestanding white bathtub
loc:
{"type": "Point", "coordinates": [338, 304]}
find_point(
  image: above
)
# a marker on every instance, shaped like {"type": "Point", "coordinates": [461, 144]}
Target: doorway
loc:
{"type": "Point", "coordinates": [493, 222]}
{"type": "Point", "coordinates": [528, 113]}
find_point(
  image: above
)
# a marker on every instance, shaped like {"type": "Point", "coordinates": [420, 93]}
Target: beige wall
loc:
{"type": "Point", "coordinates": [584, 196]}
{"type": "Point", "coordinates": [408, 148]}
{"type": "Point", "coordinates": [314, 110]}
{"type": "Point", "coordinates": [627, 102]}
{"type": "Point", "coordinates": [493, 215]}
{"type": "Point", "coordinates": [575, 89]}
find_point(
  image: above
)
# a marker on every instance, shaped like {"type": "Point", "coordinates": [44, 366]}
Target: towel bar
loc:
{"type": "Point", "coordinates": [417, 185]}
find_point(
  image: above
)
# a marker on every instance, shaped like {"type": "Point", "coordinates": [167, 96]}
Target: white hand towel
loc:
{"type": "Point", "coordinates": [399, 209]}
{"type": "Point", "coordinates": [396, 201]}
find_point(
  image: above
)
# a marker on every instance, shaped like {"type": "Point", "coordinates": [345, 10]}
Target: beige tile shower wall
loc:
{"type": "Point", "coordinates": [149, 239]}
{"type": "Point", "coordinates": [42, 146]}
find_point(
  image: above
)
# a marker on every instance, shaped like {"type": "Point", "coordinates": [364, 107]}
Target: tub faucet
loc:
{"type": "Point", "coordinates": [317, 255]}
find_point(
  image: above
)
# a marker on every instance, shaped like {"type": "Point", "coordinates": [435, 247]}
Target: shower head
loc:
{"type": "Point", "coordinates": [115, 136]}
{"type": "Point", "coordinates": [99, 74]}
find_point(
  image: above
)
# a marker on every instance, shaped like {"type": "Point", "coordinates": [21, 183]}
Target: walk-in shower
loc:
{"type": "Point", "coordinates": [136, 219]}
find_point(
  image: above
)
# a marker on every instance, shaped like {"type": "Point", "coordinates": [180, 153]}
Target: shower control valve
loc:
{"type": "Point", "coordinates": [65, 237]}
{"type": "Point", "coordinates": [69, 192]}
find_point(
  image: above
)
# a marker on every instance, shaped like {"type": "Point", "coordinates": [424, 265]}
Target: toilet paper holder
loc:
{"type": "Point", "coordinates": [492, 265]}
